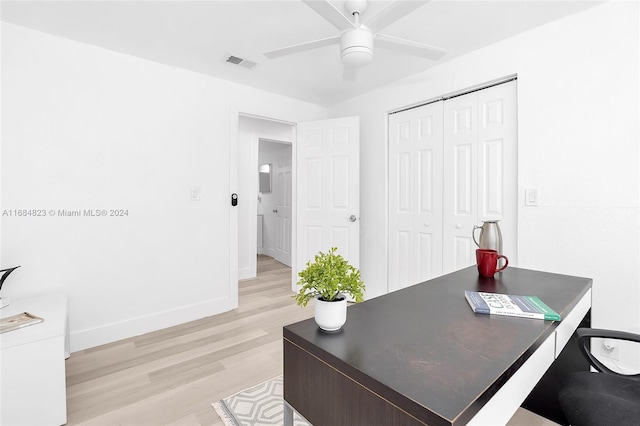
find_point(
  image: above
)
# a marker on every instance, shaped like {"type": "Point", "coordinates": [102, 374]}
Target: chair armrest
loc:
{"type": "Point", "coordinates": [584, 338]}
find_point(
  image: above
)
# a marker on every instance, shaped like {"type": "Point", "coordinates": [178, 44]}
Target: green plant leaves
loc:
{"type": "Point", "coordinates": [328, 276]}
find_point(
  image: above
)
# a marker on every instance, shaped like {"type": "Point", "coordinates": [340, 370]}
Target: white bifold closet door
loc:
{"type": "Point", "coordinates": [415, 195]}
{"type": "Point", "coordinates": [452, 164]}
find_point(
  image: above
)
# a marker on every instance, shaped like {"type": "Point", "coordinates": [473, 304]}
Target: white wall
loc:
{"type": "Point", "coordinates": [87, 128]}
{"type": "Point", "coordinates": [251, 129]}
{"type": "Point", "coordinates": [578, 132]}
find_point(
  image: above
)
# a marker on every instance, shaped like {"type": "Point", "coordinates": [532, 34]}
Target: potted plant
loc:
{"type": "Point", "coordinates": [329, 279]}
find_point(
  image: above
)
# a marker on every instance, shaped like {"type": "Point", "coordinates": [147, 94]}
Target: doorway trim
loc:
{"type": "Point", "coordinates": [235, 112]}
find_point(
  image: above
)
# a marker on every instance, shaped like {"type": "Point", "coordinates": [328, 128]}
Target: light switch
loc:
{"type": "Point", "coordinates": [531, 197]}
{"type": "Point", "coordinates": [195, 194]}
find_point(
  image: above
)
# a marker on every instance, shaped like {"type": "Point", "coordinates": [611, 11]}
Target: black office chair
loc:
{"type": "Point", "coordinates": [605, 398]}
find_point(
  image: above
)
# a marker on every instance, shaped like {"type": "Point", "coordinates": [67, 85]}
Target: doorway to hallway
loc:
{"type": "Point", "coordinates": [275, 200]}
{"type": "Point", "coordinates": [253, 132]}
{"type": "Point", "coordinates": [327, 181]}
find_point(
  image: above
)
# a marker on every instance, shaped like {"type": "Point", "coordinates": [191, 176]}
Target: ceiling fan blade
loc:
{"type": "Point", "coordinates": [302, 47]}
{"type": "Point", "coordinates": [392, 13]}
{"type": "Point", "coordinates": [349, 74]}
{"type": "Point", "coordinates": [330, 13]}
{"type": "Point", "coordinates": [409, 47]}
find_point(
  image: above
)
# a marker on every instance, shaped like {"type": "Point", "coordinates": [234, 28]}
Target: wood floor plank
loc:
{"type": "Point", "coordinates": [95, 380]}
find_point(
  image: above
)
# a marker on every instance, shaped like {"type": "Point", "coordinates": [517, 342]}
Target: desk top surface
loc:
{"type": "Point", "coordinates": [425, 345]}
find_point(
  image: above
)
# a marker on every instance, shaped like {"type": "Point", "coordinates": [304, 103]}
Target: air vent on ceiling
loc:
{"type": "Point", "coordinates": [241, 62]}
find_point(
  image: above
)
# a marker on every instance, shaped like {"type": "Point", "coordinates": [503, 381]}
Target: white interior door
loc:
{"type": "Point", "coordinates": [282, 189]}
{"type": "Point", "coordinates": [327, 190]}
{"type": "Point", "coordinates": [415, 194]}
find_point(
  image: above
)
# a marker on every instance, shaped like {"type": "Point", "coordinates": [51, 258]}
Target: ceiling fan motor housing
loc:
{"type": "Point", "coordinates": [356, 47]}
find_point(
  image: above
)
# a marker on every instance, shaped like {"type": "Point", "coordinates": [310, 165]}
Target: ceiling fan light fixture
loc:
{"type": "Point", "coordinates": [357, 56]}
{"type": "Point", "coordinates": [356, 47]}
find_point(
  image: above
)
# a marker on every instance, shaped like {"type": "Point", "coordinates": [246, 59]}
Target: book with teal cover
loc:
{"type": "Point", "coordinates": [510, 305]}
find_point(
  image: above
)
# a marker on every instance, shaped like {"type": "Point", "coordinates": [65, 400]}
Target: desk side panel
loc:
{"type": "Point", "coordinates": [324, 396]}
{"type": "Point", "coordinates": [503, 405]}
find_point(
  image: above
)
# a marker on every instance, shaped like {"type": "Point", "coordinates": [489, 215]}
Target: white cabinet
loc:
{"type": "Point", "coordinates": [32, 364]}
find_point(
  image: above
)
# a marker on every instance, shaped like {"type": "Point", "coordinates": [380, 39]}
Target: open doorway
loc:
{"type": "Point", "coordinates": [274, 200]}
{"type": "Point", "coordinates": [331, 187]}
{"type": "Point", "coordinates": [263, 214]}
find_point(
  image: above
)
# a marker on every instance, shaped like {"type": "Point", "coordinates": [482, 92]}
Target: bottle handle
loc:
{"type": "Point", "coordinates": [473, 234]}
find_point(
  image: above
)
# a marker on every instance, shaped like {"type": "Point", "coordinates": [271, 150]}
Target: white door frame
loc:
{"type": "Point", "coordinates": [234, 117]}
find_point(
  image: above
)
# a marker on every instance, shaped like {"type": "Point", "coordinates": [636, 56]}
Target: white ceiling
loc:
{"type": "Point", "coordinates": [199, 35]}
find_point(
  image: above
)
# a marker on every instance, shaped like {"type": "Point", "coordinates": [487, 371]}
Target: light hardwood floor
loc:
{"type": "Point", "coordinates": [171, 376]}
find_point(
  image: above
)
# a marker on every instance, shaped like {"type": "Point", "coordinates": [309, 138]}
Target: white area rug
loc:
{"type": "Point", "coordinates": [260, 405]}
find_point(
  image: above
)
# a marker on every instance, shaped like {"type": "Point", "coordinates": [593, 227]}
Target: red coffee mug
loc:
{"type": "Point", "coordinates": [487, 261]}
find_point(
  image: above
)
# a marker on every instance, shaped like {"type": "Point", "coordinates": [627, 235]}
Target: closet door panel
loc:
{"type": "Point", "coordinates": [491, 178]}
{"type": "Point", "coordinates": [460, 183]}
{"type": "Point", "coordinates": [415, 194]}
{"type": "Point", "coordinates": [497, 168]}
{"type": "Point", "coordinates": [463, 171]}
{"type": "Point", "coordinates": [400, 211]}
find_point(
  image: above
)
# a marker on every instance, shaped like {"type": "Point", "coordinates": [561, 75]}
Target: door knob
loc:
{"type": "Point", "coordinates": [353, 218]}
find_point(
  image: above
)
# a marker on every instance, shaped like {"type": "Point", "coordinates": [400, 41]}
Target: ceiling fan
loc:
{"type": "Point", "coordinates": [357, 37]}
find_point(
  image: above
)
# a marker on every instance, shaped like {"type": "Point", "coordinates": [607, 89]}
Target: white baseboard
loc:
{"type": "Point", "coordinates": [97, 336]}
{"type": "Point", "coordinates": [246, 273]}
{"type": "Point", "coordinates": [268, 251]}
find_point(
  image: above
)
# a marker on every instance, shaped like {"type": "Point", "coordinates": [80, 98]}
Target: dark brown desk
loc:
{"type": "Point", "coordinates": [420, 355]}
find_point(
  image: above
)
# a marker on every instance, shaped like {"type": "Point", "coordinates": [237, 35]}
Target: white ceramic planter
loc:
{"type": "Point", "coordinates": [331, 316]}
